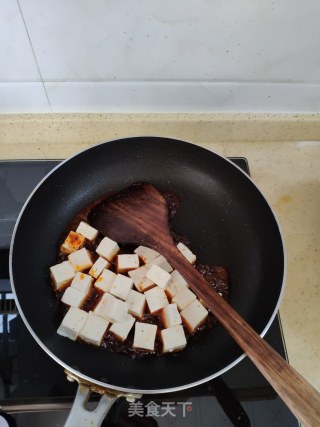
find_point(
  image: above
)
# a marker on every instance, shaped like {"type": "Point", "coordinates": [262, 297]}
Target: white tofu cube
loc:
{"type": "Point", "coordinates": [173, 339]}
{"type": "Point", "coordinates": [104, 305]}
{"type": "Point", "coordinates": [94, 329]}
{"type": "Point", "coordinates": [87, 231]}
{"type": "Point", "coordinates": [145, 284]}
{"type": "Point", "coordinates": [146, 254]}
{"type": "Point", "coordinates": [80, 260]}
{"type": "Point", "coordinates": [72, 323]}
{"type": "Point", "coordinates": [136, 303]}
{"type": "Point", "coordinates": [194, 315]}
{"type": "Point", "coordinates": [121, 330]}
{"type": "Point", "coordinates": [156, 299]}
{"type": "Point", "coordinates": [72, 243]}
{"type": "Point", "coordinates": [105, 280]}
{"type": "Point", "coordinates": [159, 276]}
{"type": "Point", "coordinates": [161, 262]}
{"type": "Point", "coordinates": [171, 316]}
{"type": "Point", "coordinates": [112, 309]}
{"type": "Point", "coordinates": [107, 248]}
{"type": "Point", "coordinates": [187, 253]}
{"type": "Point", "coordinates": [176, 277]}
{"type": "Point", "coordinates": [82, 282]}
{"type": "Point", "coordinates": [176, 283]}
{"type": "Point", "coordinates": [73, 297]}
{"type": "Point", "coordinates": [98, 267]}
{"type": "Point", "coordinates": [141, 282]}
{"type": "Point", "coordinates": [183, 298]}
{"type": "Point", "coordinates": [144, 335]}
{"type": "Point", "coordinates": [121, 286]}
{"type": "Point", "coordinates": [138, 274]}
{"type": "Point", "coordinates": [62, 274]}
{"type": "Point", "coordinates": [127, 262]}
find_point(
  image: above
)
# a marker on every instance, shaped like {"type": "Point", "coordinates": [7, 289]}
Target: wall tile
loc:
{"type": "Point", "coordinates": [16, 56]}
{"type": "Point", "coordinates": [182, 40]}
{"type": "Point", "coordinates": [23, 98]}
{"type": "Point", "coordinates": [182, 97]}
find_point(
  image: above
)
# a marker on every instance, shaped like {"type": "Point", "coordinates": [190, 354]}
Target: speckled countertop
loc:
{"type": "Point", "coordinates": [284, 157]}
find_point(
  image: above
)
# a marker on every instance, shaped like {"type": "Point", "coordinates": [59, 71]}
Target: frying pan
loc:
{"type": "Point", "coordinates": [226, 218]}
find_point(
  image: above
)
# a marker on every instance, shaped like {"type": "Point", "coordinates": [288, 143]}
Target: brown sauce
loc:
{"type": "Point", "coordinates": [216, 276]}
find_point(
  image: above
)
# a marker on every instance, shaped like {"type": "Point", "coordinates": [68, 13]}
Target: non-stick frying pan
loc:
{"type": "Point", "coordinates": [226, 218]}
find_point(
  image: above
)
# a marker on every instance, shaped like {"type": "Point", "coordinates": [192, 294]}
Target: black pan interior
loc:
{"type": "Point", "coordinates": [225, 216]}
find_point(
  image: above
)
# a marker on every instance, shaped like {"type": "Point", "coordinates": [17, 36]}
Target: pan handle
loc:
{"type": "Point", "coordinates": [80, 415]}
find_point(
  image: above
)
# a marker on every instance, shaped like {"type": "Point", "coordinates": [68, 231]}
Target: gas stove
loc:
{"type": "Point", "coordinates": [34, 390]}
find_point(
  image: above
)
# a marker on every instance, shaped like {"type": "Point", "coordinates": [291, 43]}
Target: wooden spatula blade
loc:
{"type": "Point", "coordinates": [134, 215]}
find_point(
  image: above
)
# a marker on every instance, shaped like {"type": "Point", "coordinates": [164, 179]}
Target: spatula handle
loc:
{"type": "Point", "coordinates": [294, 390]}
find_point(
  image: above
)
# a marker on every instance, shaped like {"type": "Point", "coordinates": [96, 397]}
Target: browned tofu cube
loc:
{"type": "Point", "coordinates": [72, 243]}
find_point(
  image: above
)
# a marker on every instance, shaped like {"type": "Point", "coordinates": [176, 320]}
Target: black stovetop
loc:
{"type": "Point", "coordinates": [34, 389]}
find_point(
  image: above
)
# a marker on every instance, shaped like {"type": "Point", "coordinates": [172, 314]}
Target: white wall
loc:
{"type": "Point", "coordinates": [159, 55]}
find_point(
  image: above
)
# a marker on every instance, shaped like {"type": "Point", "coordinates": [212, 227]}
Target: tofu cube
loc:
{"type": "Point", "coordinates": [121, 330]}
{"type": "Point", "coordinates": [82, 282]}
{"type": "Point", "coordinates": [104, 305]}
{"type": "Point", "coordinates": [183, 298]}
{"type": "Point", "coordinates": [156, 299]}
{"type": "Point", "coordinates": [98, 267]}
{"type": "Point", "coordinates": [107, 248]}
{"type": "Point", "coordinates": [176, 283]}
{"type": "Point", "coordinates": [145, 284]}
{"type": "Point", "coordinates": [127, 262]}
{"type": "Point", "coordinates": [146, 254]}
{"type": "Point", "coordinates": [94, 329]}
{"type": "Point", "coordinates": [105, 280]}
{"type": "Point", "coordinates": [187, 253]}
{"type": "Point", "coordinates": [173, 339]}
{"type": "Point", "coordinates": [72, 243]}
{"type": "Point", "coordinates": [140, 281]}
{"type": "Point", "coordinates": [72, 323]}
{"type": "Point", "coordinates": [87, 231]}
{"type": "Point", "coordinates": [112, 309]}
{"type": "Point", "coordinates": [194, 315]}
{"type": "Point", "coordinates": [81, 260]}
{"type": "Point", "coordinates": [73, 297]}
{"type": "Point", "coordinates": [62, 274]}
{"type": "Point", "coordinates": [121, 286]}
{"type": "Point", "coordinates": [136, 303]}
{"type": "Point", "coordinates": [159, 276]}
{"type": "Point", "coordinates": [176, 277]}
{"type": "Point", "coordinates": [144, 336]}
{"type": "Point", "coordinates": [171, 316]}
{"type": "Point", "coordinates": [138, 274]}
{"type": "Point", "coordinates": [161, 262]}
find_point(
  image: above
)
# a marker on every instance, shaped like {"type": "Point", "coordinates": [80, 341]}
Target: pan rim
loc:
{"type": "Point", "coordinates": [132, 390]}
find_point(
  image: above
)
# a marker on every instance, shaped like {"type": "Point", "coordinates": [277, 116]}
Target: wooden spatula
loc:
{"type": "Point", "coordinates": [139, 215]}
